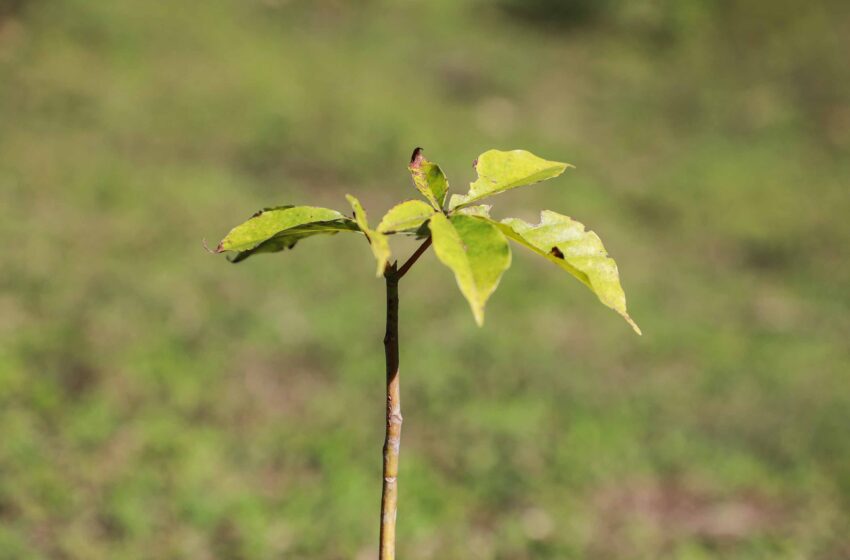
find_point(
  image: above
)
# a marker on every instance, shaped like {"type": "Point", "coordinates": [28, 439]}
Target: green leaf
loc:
{"type": "Point", "coordinates": [290, 237]}
{"type": "Point", "coordinates": [429, 179]}
{"type": "Point", "coordinates": [565, 242]}
{"type": "Point", "coordinates": [406, 217]}
{"type": "Point", "coordinates": [377, 240]}
{"type": "Point", "coordinates": [481, 210]}
{"type": "Point", "coordinates": [500, 171]}
{"type": "Point", "coordinates": [276, 229]}
{"type": "Point", "coordinates": [476, 251]}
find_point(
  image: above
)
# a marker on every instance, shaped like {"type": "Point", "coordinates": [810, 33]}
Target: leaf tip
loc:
{"type": "Point", "coordinates": [416, 158]}
{"type": "Point", "coordinates": [634, 326]}
{"type": "Point", "coordinates": [563, 167]}
{"type": "Point", "coordinates": [478, 313]}
{"type": "Point", "coordinates": [218, 249]}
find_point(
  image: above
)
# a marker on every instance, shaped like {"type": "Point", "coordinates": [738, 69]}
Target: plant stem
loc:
{"type": "Point", "coordinates": [392, 441]}
{"type": "Point", "coordinates": [414, 257]}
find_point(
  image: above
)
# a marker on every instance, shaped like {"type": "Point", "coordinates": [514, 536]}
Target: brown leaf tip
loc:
{"type": "Point", "coordinates": [218, 249]}
{"type": "Point", "coordinates": [416, 158]}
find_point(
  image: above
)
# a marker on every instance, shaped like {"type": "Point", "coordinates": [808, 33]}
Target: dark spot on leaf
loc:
{"type": "Point", "coordinates": [416, 158]}
{"type": "Point", "coordinates": [269, 208]}
{"type": "Point", "coordinates": [555, 252]}
{"type": "Point", "coordinates": [475, 163]}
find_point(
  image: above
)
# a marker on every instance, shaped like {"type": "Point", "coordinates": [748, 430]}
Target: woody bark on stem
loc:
{"type": "Point", "coordinates": [392, 440]}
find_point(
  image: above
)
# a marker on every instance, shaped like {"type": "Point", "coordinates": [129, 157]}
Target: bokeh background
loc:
{"type": "Point", "coordinates": [158, 402]}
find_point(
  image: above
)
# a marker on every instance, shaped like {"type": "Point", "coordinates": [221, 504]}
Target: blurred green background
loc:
{"type": "Point", "coordinates": [158, 402]}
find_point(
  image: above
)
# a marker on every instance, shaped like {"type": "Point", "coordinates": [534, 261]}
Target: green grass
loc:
{"type": "Point", "coordinates": [157, 402]}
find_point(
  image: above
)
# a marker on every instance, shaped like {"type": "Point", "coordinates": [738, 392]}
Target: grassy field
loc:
{"type": "Point", "coordinates": [158, 402]}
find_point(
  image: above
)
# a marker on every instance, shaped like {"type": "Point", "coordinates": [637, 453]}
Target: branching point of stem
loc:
{"type": "Point", "coordinates": [413, 258]}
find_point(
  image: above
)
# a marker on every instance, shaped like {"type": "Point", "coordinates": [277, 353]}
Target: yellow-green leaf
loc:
{"type": "Point", "coordinates": [565, 242]}
{"type": "Point", "coordinates": [476, 251]}
{"type": "Point", "coordinates": [377, 240]}
{"type": "Point", "coordinates": [406, 217]}
{"type": "Point", "coordinates": [429, 179]}
{"type": "Point", "coordinates": [500, 171]}
{"type": "Point", "coordinates": [276, 229]}
{"type": "Point", "coordinates": [481, 210]}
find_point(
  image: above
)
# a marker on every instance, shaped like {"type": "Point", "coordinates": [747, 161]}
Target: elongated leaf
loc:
{"type": "Point", "coordinates": [565, 242]}
{"type": "Point", "coordinates": [377, 240]}
{"type": "Point", "coordinates": [276, 229]}
{"type": "Point", "coordinates": [500, 171]}
{"type": "Point", "coordinates": [406, 217]}
{"type": "Point", "coordinates": [476, 251]}
{"type": "Point", "coordinates": [429, 179]}
{"type": "Point", "coordinates": [288, 239]}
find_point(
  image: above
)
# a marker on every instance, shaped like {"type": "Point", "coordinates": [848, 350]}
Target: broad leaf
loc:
{"type": "Point", "coordinates": [476, 251]}
{"type": "Point", "coordinates": [276, 229]}
{"type": "Point", "coordinates": [565, 242]}
{"type": "Point", "coordinates": [406, 217]}
{"type": "Point", "coordinates": [500, 171]}
{"type": "Point", "coordinates": [377, 240]}
{"type": "Point", "coordinates": [429, 179]}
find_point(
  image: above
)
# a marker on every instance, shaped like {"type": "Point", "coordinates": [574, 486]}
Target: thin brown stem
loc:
{"type": "Point", "coordinates": [392, 441]}
{"type": "Point", "coordinates": [414, 257]}
{"type": "Point", "coordinates": [392, 438]}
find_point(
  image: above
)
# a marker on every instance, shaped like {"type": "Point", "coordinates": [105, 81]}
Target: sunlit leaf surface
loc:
{"type": "Point", "coordinates": [481, 210]}
{"type": "Point", "coordinates": [276, 229]}
{"type": "Point", "coordinates": [476, 251]}
{"type": "Point", "coordinates": [406, 217]}
{"type": "Point", "coordinates": [566, 243]}
{"type": "Point", "coordinates": [429, 179]}
{"type": "Point", "coordinates": [499, 171]}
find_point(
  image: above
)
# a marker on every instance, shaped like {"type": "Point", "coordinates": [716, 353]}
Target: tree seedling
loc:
{"type": "Point", "coordinates": [466, 239]}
